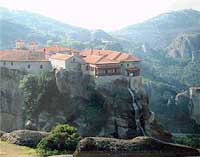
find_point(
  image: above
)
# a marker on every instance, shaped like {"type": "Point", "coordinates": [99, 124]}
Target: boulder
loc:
{"type": "Point", "coordinates": [2, 133]}
{"type": "Point", "coordinates": [24, 137]}
{"type": "Point", "coordinates": [139, 146]}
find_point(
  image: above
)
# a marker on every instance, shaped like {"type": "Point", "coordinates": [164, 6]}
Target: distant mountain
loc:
{"type": "Point", "coordinates": [10, 32]}
{"type": "Point", "coordinates": [159, 31]}
{"type": "Point", "coordinates": [101, 35]}
{"type": "Point", "coordinates": [36, 26]}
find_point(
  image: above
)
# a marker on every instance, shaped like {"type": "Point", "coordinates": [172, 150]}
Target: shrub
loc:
{"type": "Point", "coordinates": [190, 140]}
{"type": "Point", "coordinates": [63, 138]}
{"type": "Point", "coordinates": [64, 129]}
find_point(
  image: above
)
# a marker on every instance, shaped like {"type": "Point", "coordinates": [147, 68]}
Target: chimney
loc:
{"type": "Point", "coordinates": [92, 51]}
{"type": "Point", "coordinates": [33, 46]}
{"type": "Point", "coordinates": [20, 44]}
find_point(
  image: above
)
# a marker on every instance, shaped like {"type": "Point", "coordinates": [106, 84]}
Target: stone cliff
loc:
{"type": "Point", "coordinates": [192, 99]}
{"type": "Point", "coordinates": [76, 99]}
{"type": "Point", "coordinates": [11, 99]}
{"type": "Point", "coordinates": [174, 108]}
{"type": "Point", "coordinates": [185, 46]}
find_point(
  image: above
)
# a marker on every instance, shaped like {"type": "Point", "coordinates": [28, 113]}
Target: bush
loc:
{"type": "Point", "coordinates": [64, 129]}
{"type": "Point", "coordinates": [190, 140]}
{"type": "Point", "coordinates": [62, 139]}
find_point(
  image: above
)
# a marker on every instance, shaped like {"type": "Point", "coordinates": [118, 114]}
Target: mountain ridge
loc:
{"type": "Point", "coordinates": [160, 30]}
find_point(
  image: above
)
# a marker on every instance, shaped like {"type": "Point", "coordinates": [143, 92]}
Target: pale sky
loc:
{"type": "Point", "coordinates": [100, 14]}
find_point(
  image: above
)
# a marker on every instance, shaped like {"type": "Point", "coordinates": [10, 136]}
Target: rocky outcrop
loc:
{"type": "Point", "coordinates": [96, 110]}
{"type": "Point", "coordinates": [139, 146]}
{"type": "Point", "coordinates": [24, 137]}
{"type": "Point", "coordinates": [192, 99]}
{"type": "Point", "coordinates": [195, 103]}
{"type": "Point", "coordinates": [2, 133]}
{"type": "Point", "coordinates": [11, 99]}
{"type": "Point", "coordinates": [172, 107]}
{"type": "Point", "coordinates": [185, 46]}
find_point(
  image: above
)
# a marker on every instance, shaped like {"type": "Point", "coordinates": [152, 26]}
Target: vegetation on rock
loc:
{"type": "Point", "coordinates": [190, 140]}
{"type": "Point", "coordinates": [62, 139]}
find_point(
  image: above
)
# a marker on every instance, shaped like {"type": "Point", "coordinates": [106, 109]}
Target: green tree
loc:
{"type": "Point", "coordinates": [33, 87]}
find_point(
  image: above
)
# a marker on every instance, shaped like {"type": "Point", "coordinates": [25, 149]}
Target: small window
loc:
{"type": "Point", "coordinates": [73, 60]}
{"type": "Point", "coordinates": [29, 66]}
{"type": "Point", "coordinates": [127, 65]}
{"type": "Point", "coordinates": [41, 66]}
{"type": "Point", "coordinates": [4, 63]}
{"type": "Point", "coordinates": [121, 65]}
{"type": "Point", "coordinates": [106, 71]}
{"type": "Point", "coordinates": [11, 63]}
{"type": "Point", "coordinates": [87, 67]}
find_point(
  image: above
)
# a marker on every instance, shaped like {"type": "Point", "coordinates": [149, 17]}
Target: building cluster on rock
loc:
{"type": "Point", "coordinates": [93, 62]}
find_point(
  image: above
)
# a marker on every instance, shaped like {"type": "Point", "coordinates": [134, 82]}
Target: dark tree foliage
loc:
{"type": "Point", "coordinates": [62, 139]}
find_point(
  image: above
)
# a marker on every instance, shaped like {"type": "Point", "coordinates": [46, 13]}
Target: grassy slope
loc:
{"type": "Point", "coordinates": [11, 150]}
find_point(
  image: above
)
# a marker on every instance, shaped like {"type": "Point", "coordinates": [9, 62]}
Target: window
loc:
{"type": "Point", "coordinates": [73, 60]}
{"type": "Point", "coordinates": [106, 71]}
{"type": "Point", "coordinates": [41, 66]}
{"type": "Point", "coordinates": [87, 67]}
{"type": "Point", "coordinates": [11, 63]}
{"type": "Point", "coordinates": [4, 63]}
{"type": "Point", "coordinates": [127, 65]}
{"type": "Point", "coordinates": [121, 65]}
{"type": "Point", "coordinates": [91, 68]}
{"type": "Point", "coordinates": [29, 66]}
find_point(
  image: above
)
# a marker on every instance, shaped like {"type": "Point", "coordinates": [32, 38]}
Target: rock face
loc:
{"type": "Point", "coordinates": [24, 137]}
{"type": "Point", "coordinates": [117, 118]}
{"type": "Point", "coordinates": [1, 133]}
{"type": "Point", "coordinates": [95, 109]}
{"type": "Point", "coordinates": [139, 146]}
{"type": "Point", "coordinates": [11, 99]}
{"type": "Point", "coordinates": [185, 46]}
{"type": "Point", "coordinates": [173, 107]}
{"type": "Point", "coordinates": [195, 103]}
{"type": "Point", "coordinates": [192, 99]}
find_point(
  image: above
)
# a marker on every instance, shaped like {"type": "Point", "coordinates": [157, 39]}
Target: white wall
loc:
{"type": "Point", "coordinates": [57, 63]}
{"type": "Point", "coordinates": [72, 64]}
{"type": "Point", "coordinates": [23, 66]}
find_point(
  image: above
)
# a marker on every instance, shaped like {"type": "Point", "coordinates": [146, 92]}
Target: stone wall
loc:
{"type": "Point", "coordinates": [28, 66]}
{"type": "Point", "coordinates": [104, 81]}
{"type": "Point", "coordinates": [125, 65]}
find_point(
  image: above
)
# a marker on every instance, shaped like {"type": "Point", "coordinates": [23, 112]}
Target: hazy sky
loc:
{"type": "Point", "coordinates": [104, 14]}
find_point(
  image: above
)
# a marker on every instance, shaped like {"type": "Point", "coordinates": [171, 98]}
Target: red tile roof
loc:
{"type": "Point", "coordinates": [58, 49]}
{"type": "Point", "coordinates": [92, 59]}
{"type": "Point", "coordinates": [107, 57]}
{"type": "Point", "coordinates": [22, 55]}
{"type": "Point", "coordinates": [95, 52]}
{"type": "Point", "coordinates": [60, 56]}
